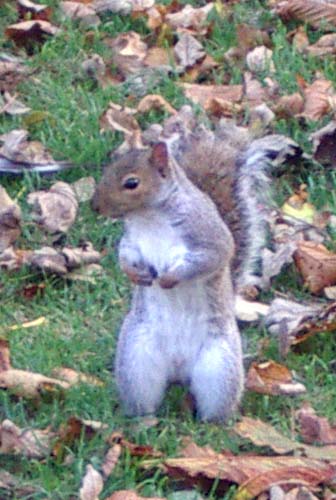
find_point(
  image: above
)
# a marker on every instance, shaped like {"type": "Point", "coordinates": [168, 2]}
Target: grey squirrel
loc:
{"type": "Point", "coordinates": [178, 248]}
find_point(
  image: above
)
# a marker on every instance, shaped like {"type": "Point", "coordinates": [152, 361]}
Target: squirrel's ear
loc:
{"type": "Point", "coordinates": [159, 158]}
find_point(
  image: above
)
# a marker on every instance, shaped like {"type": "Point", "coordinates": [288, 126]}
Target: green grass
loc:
{"type": "Point", "coordinates": [83, 319]}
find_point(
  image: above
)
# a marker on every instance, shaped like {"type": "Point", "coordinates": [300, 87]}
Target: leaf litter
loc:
{"type": "Point", "coordinates": [298, 475]}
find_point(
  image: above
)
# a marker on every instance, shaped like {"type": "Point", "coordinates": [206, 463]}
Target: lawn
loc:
{"type": "Point", "coordinates": [82, 318]}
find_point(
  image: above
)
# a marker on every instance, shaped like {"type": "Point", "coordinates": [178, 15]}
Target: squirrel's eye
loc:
{"type": "Point", "coordinates": [131, 183]}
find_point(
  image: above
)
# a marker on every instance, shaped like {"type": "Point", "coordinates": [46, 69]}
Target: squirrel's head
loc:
{"type": "Point", "coordinates": [134, 181]}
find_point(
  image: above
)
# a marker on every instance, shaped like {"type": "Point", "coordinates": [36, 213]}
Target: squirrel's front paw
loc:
{"type": "Point", "coordinates": [142, 276]}
{"type": "Point", "coordinates": [168, 280]}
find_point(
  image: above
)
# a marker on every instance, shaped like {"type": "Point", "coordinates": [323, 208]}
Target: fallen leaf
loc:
{"type": "Point", "coordinates": [324, 140]}
{"type": "Point", "coordinates": [142, 5]}
{"type": "Point", "coordinates": [13, 485]}
{"type": "Point", "coordinates": [317, 98]}
{"type": "Point", "coordinates": [129, 52]}
{"type": "Point", "coordinates": [260, 59]}
{"type": "Point", "coordinates": [30, 324]}
{"type": "Point", "coordinates": [71, 432]}
{"type": "Point", "coordinates": [29, 292]}
{"type": "Point", "coordinates": [263, 434]}
{"type": "Point", "coordinates": [79, 11]}
{"type": "Point", "coordinates": [4, 355]}
{"type": "Point", "coordinates": [135, 450]}
{"type": "Point", "coordinates": [73, 377]}
{"type": "Point", "coordinates": [84, 188]}
{"type": "Point", "coordinates": [12, 106]}
{"type": "Point", "coordinates": [130, 495]}
{"type": "Point", "coordinates": [188, 50]}
{"type": "Point", "coordinates": [17, 154]}
{"type": "Point", "coordinates": [28, 33]}
{"type": "Point", "coordinates": [11, 73]}
{"type": "Point", "coordinates": [32, 443]}
{"type": "Point", "coordinates": [315, 12]}
{"type": "Point", "coordinates": [249, 37]}
{"type": "Point", "coordinates": [11, 259]}
{"type": "Point", "coordinates": [92, 484]}
{"type": "Point", "coordinates": [300, 39]}
{"type": "Point", "coordinates": [115, 6]}
{"type": "Point", "coordinates": [297, 205]}
{"type": "Point", "coordinates": [326, 45]}
{"type": "Point", "coordinates": [316, 264]}
{"type": "Point", "coordinates": [289, 105]}
{"type": "Point", "coordinates": [228, 469]}
{"type": "Point", "coordinates": [118, 118]}
{"type": "Point", "coordinates": [54, 210]}
{"type": "Point", "coordinates": [10, 220]}
{"type": "Point", "coordinates": [190, 19]}
{"type": "Point", "coordinates": [154, 101]}
{"type": "Point", "coordinates": [30, 384]}
{"type": "Point", "coordinates": [315, 429]}
{"type": "Point", "coordinates": [254, 92]}
{"type": "Point", "coordinates": [300, 493]}
{"type": "Point", "coordinates": [202, 94]}
{"type": "Point", "coordinates": [110, 460]}
{"type": "Point", "coordinates": [273, 378]}
{"type": "Point", "coordinates": [33, 10]}
{"type": "Point", "coordinates": [249, 311]}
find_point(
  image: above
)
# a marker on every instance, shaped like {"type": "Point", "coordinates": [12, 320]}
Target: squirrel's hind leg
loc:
{"type": "Point", "coordinates": [140, 370]}
{"type": "Point", "coordinates": [217, 380]}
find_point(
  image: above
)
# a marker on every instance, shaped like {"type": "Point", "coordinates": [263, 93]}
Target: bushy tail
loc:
{"type": "Point", "coordinates": [253, 195]}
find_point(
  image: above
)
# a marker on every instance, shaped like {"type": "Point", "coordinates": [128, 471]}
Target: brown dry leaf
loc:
{"type": "Point", "coordinates": [326, 45]}
{"type": "Point", "coordinates": [315, 429]}
{"type": "Point", "coordinates": [129, 52]}
{"type": "Point", "coordinates": [10, 220]}
{"type": "Point", "coordinates": [30, 384]}
{"type": "Point", "coordinates": [130, 495]}
{"type": "Point", "coordinates": [31, 10]}
{"type": "Point", "coordinates": [324, 144]}
{"type": "Point", "coordinates": [70, 432]}
{"type": "Point", "coordinates": [11, 73]}
{"type": "Point", "coordinates": [203, 94]}
{"type": "Point", "coordinates": [263, 434]}
{"type": "Point", "coordinates": [300, 493]}
{"type": "Point", "coordinates": [222, 107]}
{"type": "Point", "coordinates": [154, 101]}
{"type": "Point", "coordinates": [247, 310]}
{"type": "Point", "coordinates": [115, 6]}
{"type": "Point", "coordinates": [54, 210]}
{"type": "Point", "coordinates": [73, 377]}
{"type": "Point", "coordinates": [273, 378]}
{"type": "Point", "coordinates": [142, 5]}
{"type": "Point", "coordinates": [300, 39]}
{"type": "Point", "coordinates": [157, 57]}
{"type": "Point", "coordinates": [190, 19]}
{"type": "Point", "coordinates": [315, 12]}
{"type": "Point", "coordinates": [92, 484]}
{"type": "Point", "coordinates": [250, 37]}
{"type": "Point", "coordinates": [32, 443]}
{"type": "Point", "coordinates": [188, 50]}
{"type": "Point", "coordinates": [298, 207]}
{"type": "Point", "coordinates": [79, 11]}
{"type": "Point", "coordinates": [260, 59]}
{"type": "Point", "coordinates": [120, 118]}
{"type": "Point", "coordinates": [110, 460]}
{"type": "Point", "coordinates": [316, 264]}
{"type": "Point", "coordinates": [12, 106]}
{"type": "Point", "coordinates": [136, 450]}
{"type": "Point", "coordinates": [289, 105]}
{"type": "Point", "coordinates": [254, 92]}
{"type": "Point", "coordinates": [4, 355]}
{"type": "Point", "coordinates": [318, 97]}
{"type": "Point", "coordinates": [17, 148]}
{"type": "Point", "coordinates": [84, 188]}
{"type": "Point", "coordinates": [11, 259]}
{"type": "Point", "coordinates": [14, 486]}
{"type": "Point", "coordinates": [202, 465]}
{"type": "Point", "coordinates": [28, 33]}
